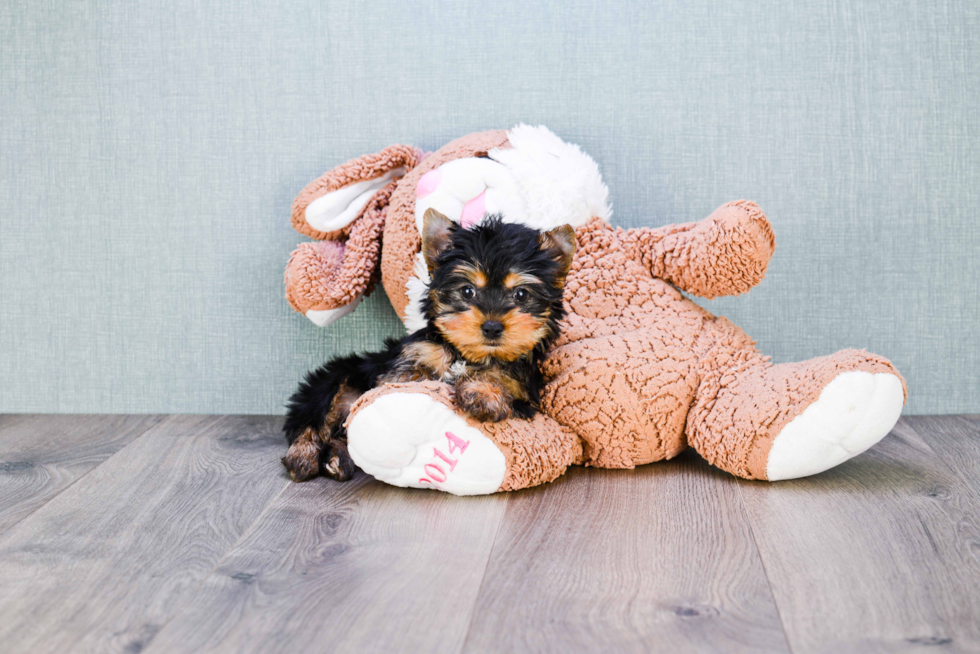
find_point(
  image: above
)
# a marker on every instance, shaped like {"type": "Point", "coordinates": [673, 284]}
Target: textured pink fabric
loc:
{"type": "Point", "coordinates": [359, 169]}
{"type": "Point", "coordinates": [328, 274]}
{"type": "Point", "coordinates": [725, 254]}
{"type": "Point", "coordinates": [640, 372]}
{"type": "Point", "coordinates": [744, 401]}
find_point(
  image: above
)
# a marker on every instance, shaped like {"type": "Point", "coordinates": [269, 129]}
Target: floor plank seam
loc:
{"type": "Point", "coordinates": [762, 562]}
{"type": "Point", "coordinates": [479, 590]}
{"type": "Point", "coordinates": [83, 476]}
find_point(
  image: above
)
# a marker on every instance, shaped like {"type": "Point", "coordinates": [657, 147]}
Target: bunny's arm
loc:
{"type": "Point", "coordinates": [724, 254]}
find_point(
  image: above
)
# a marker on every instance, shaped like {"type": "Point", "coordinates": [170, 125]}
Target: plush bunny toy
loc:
{"type": "Point", "coordinates": [639, 372]}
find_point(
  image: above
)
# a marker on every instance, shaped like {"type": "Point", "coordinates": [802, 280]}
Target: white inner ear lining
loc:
{"type": "Point", "coordinates": [327, 316]}
{"type": "Point", "coordinates": [337, 209]}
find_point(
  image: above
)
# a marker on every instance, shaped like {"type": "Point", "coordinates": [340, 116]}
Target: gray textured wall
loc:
{"type": "Point", "coordinates": [149, 155]}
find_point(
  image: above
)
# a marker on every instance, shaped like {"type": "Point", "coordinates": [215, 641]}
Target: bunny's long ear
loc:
{"type": "Point", "coordinates": [325, 280]}
{"type": "Point", "coordinates": [329, 204]}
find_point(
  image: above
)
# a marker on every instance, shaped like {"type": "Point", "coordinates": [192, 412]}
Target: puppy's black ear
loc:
{"type": "Point", "coordinates": [437, 230]}
{"type": "Point", "coordinates": [559, 244]}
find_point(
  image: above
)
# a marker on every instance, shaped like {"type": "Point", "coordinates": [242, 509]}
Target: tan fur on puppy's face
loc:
{"type": "Point", "coordinates": [475, 276]}
{"type": "Point", "coordinates": [463, 330]}
{"type": "Point", "coordinates": [514, 279]}
{"type": "Point", "coordinates": [496, 293]}
{"type": "Point", "coordinates": [522, 332]}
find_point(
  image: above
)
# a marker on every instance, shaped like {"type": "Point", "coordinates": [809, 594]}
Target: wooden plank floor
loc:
{"type": "Point", "coordinates": [182, 534]}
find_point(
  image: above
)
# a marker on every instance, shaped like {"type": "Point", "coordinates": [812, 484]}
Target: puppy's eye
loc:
{"type": "Point", "coordinates": [468, 292]}
{"type": "Point", "coordinates": [520, 295]}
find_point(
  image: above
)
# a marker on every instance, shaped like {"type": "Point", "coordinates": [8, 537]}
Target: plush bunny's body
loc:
{"type": "Point", "coordinates": [639, 373]}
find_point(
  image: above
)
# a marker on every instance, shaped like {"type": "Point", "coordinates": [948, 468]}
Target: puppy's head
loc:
{"type": "Point", "coordinates": [496, 289]}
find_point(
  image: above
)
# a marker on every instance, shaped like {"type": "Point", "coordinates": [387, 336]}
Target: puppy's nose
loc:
{"type": "Point", "coordinates": [492, 329]}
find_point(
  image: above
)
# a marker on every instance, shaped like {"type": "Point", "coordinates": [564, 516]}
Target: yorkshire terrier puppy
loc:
{"type": "Point", "coordinates": [492, 310]}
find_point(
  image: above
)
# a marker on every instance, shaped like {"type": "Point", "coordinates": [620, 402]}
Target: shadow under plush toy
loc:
{"type": "Point", "coordinates": [639, 372]}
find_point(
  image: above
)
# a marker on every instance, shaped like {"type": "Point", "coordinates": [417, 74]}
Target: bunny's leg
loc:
{"type": "Point", "coordinates": [411, 435]}
{"type": "Point", "coordinates": [760, 421]}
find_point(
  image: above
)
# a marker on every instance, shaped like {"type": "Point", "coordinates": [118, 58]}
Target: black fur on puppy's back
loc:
{"type": "Point", "coordinates": [309, 406]}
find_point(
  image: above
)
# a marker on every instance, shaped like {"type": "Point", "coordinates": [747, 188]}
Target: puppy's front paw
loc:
{"type": "Point", "coordinates": [483, 401]}
{"type": "Point", "coordinates": [302, 460]}
{"type": "Point", "coordinates": [336, 462]}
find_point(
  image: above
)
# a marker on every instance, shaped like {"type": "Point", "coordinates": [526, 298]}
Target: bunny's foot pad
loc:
{"type": "Point", "coordinates": [854, 411]}
{"type": "Point", "coordinates": [414, 440]}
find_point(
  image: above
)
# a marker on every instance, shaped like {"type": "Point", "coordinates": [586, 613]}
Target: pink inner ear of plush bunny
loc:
{"type": "Point", "coordinates": [428, 183]}
{"type": "Point", "coordinates": [473, 210]}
